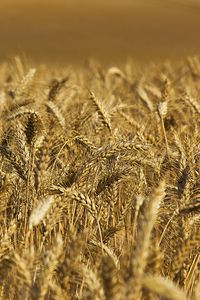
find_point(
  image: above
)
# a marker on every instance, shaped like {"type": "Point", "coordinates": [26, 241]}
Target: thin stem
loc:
{"type": "Point", "coordinates": [165, 136]}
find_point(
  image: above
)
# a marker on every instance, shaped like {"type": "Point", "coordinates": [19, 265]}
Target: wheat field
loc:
{"type": "Point", "coordinates": [99, 181]}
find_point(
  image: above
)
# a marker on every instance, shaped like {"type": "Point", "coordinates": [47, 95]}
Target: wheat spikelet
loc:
{"type": "Point", "coordinates": [124, 210]}
{"type": "Point", "coordinates": [110, 179]}
{"type": "Point", "coordinates": [185, 249]}
{"type": "Point", "coordinates": [82, 140]}
{"type": "Point", "coordinates": [100, 111]}
{"type": "Point", "coordinates": [85, 201]}
{"type": "Point", "coordinates": [13, 160]}
{"type": "Point", "coordinates": [33, 127]}
{"type": "Point", "coordinates": [192, 207]}
{"type": "Point", "coordinates": [19, 112]}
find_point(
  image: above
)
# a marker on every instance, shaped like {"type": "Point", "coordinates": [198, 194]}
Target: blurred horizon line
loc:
{"type": "Point", "coordinates": [109, 30]}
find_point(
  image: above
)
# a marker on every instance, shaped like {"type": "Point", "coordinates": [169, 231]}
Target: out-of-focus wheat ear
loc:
{"type": "Point", "coordinates": [40, 211]}
{"type": "Point", "coordinates": [41, 166]}
{"type": "Point", "coordinates": [166, 88]}
{"type": "Point", "coordinates": [140, 250]}
{"type": "Point", "coordinates": [194, 66]}
{"type": "Point", "coordinates": [99, 109]}
{"type": "Point", "coordinates": [163, 287]}
{"type": "Point", "coordinates": [182, 180]}
{"type": "Point", "coordinates": [193, 103]}
{"type": "Point", "coordinates": [93, 282]}
{"type": "Point", "coordinates": [56, 113]}
{"type": "Point", "coordinates": [19, 112]}
{"type": "Point", "coordinates": [54, 216]}
{"type": "Point", "coordinates": [113, 76]}
{"type": "Point", "coordinates": [109, 279]}
{"type": "Point", "coordinates": [15, 162]}
{"type": "Point", "coordinates": [50, 262]}
{"type": "Point", "coordinates": [7, 280]}
{"type": "Point", "coordinates": [20, 66]}
{"type": "Point", "coordinates": [153, 90]}
{"type": "Point", "coordinates": [153, 267]}
{"type": "Point", "coordinates": [184, 250]}
{"type": "Point", "coordinates": [144, 97]}
{"type": "Point", "coordinates": [109, 253]}
{"type": "Point", "coordinates": [197, 290]}
{"type": "Point", "coordinates": [55, 87]}
{"type": "Point", "coordinates": [5, 242]}
{"type": "Point", "coordinates": [23, 275]}
{"type": "Point", "coordinates": [162, 111]}
{"type": "Point", "coordinates": [56, 291]}
{"type": "Point", "coordinates": [179, 144]}
{"type": "Point", "coordinates": [139, 202]}
{"type": "Point", "coordinates": [18, 106]}
{"type": "Point", "coordinates": [130, 120]}
{"type": "Point", "coordinates": [25, 83]}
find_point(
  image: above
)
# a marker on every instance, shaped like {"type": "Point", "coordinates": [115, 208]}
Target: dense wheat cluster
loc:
{"type": "Point", "coordinates": [100, 182]}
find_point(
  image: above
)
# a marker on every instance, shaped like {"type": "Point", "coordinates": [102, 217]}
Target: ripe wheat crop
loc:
{"type": "Point", "coordinates": [100, 182]}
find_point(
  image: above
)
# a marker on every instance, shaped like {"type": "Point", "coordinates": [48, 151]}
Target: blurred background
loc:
{"type": "Point", "coordinates": [109, 30]}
